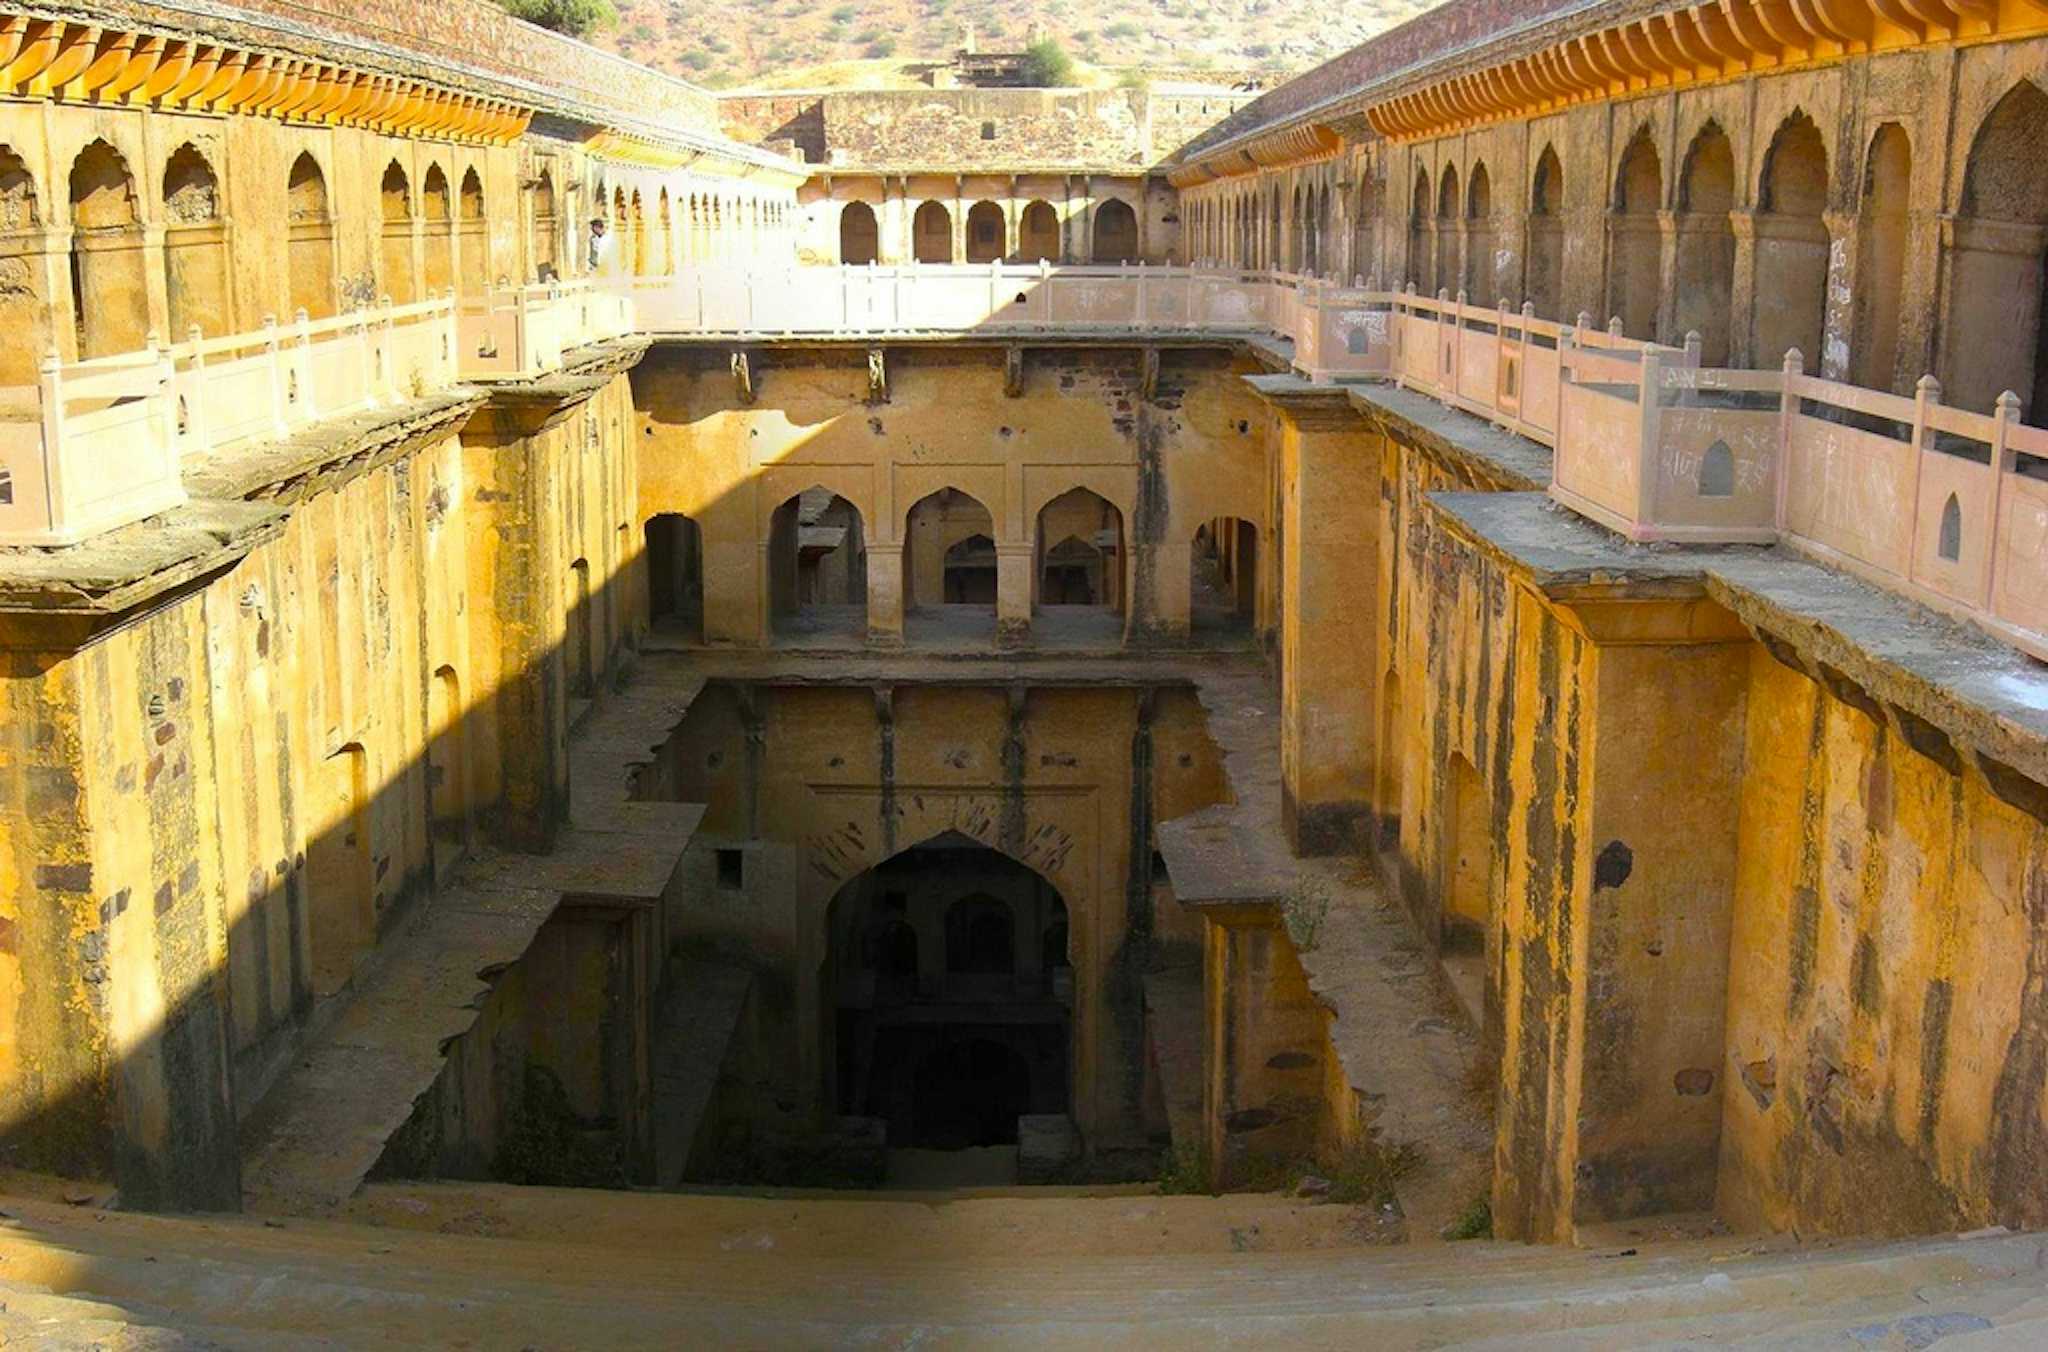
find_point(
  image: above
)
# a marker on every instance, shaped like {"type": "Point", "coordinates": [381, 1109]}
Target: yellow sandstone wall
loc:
{"type": "Point", "coordinates": [1194, 451]}
{"type": "Point", "coordinates": [219, 805]}
{"type": "Point", "coordinates": [1885, 984]}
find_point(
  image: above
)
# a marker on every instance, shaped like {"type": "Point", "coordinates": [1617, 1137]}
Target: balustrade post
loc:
{"type": "Point", "coordinates": [1455, 358]}
{"type": "Point", "coordinates": [164, 418]}
{"type": "Point", "coordinates": [1141, 317]}
{"type": "Point", "coordinates": [55, 481]}
{"type": "Point", "coordinates": [1522, 364]}
{"type": "Point", "coordinates": [1044, 297]}
{"type": "Point", "coordinates": [273, 359]}
{"type": "Point", "coordinates": [197, 432]}
{"type": "Point", "coordinates": [2008, 413]}
{"type": "Point", "coordinates": [1789, 372]}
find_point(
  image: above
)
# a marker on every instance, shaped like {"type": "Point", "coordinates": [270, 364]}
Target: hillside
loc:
{"type": "Point", "coordinates": [817, 43]}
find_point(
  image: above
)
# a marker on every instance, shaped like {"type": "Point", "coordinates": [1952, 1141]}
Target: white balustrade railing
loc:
{"type": "Point", "coordinates": [1945, 505]}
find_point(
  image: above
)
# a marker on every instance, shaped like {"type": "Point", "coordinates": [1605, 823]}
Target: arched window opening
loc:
{"type": "Point", "coordinates": [1950, 542]}
{"type": "Point", "coordinates": [949, 559]}
{"type": "Point", "coordinates": [1635, 284]}
{"type": "Point", "coordinates": [1479, 269]}
{"type": "Point", "coordinates": [1717, 471]}
{"type": "Point", "coordinates": [195, 248]}
{"type": "Point", "coordinates": [1545, 288]}
{"type": "Point", "coordinates": [584, 660]}
{"type": "Point", "coordinates": [438, 228]}
{"type": "Point", "coordinates": [24, 308]}
{"type": "Point", "coordinates": [1223, 585]}
{"type": "Point", "coordinates": [1038, 234]}
{"type": "Point", "coordinates": [1468, 862]}
{"type": "Point", "coordinates": [473, 241]}
{"type": "Point", "coordinates": [395, 198]}
{"type": "Point", "coordinates": [1792, 246]}
{"type": "Point", "coordinates": [1450, 265]}
{"type": "Point", "coordinates": [817, 567]}
{"type": "Point", "coordinates": [1321, 248]}
{"type": "Point", "coordinates": [1881, 261]}
{"type": "Point", "coordinates": [310, 247]}
{"type": "Point", "coordinates": [675, 576]}
{"type": "Point", "coordinates": [859, 235]}
{"type": "Point", "coordinates": [987, 233]}
{"type": "Point", "coordinates": [1081, 552]}
{"type": "Point", "coordinates": [931, 234]}
{"type": "Point", "coordinates": [1993, 337]}
{"type": "Point", "coordinates": [1706, 246]}
{"type": "Point", "coordinates": [109, 293]}
{"type": "Point", "coordinates": [1116, 232]}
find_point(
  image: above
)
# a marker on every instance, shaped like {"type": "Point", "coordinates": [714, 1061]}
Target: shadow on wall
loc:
{"type": "Point", "coordinates": [141, 1045]}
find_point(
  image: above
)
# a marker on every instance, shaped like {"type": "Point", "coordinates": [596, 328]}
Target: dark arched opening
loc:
{"type": "Point", "coordinates": [1116, 232]}
{"type": "Point", "coordinates": [1635, 281]}
{"type": "Point", "coordinates": [1545, 290]}
{"type": "Point", "coordinates": [675, 575]}
{"type": "Point", "coordinates": [1706, 245]}
{"type": "Point", "coordinates": [1792, 247]}
{"type": "Point", "coordinates": [987, 233]}
{"type": "Point", "coordinates": [817, 567]}
{"type": "Point", "coordinates": [859, 236]}
{"type": "Point", "coordinates": [1223, 586]}
{"type": "Point", "coordinates": [1038, 234]}
{"type": "Point", "coordinates": [931, 234]}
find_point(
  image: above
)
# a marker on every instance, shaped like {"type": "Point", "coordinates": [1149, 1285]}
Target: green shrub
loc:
{"type": "Point", "coordinates": [1047, 65]}
{"type": "Point", "coordinates": [574, 17]}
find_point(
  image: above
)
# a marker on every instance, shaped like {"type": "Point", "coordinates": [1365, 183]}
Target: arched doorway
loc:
{"type": "Point", "coordinates": [1038, 234]}
{"type": "Point", "coordinates": [941, 1014]}
{"type": "Point", "coordinates": [1706, 245]}
{"type": "Point", "coordinates": [931, 234]}
{"type": "Point", "coordinates": [109, 292]}
{"type": "Point", "coordinates": [1635, 283]}
{"type": "Point", "coordinates": [1223, 596]}
{"type": "Point", "coordinates": [1365, 210]}
{"type": "Point", "coordinates": [817, 568]}
{"type": "Point", "coordinates": [859, 235]}
{"type": "Point", "coordinates": [1545, 289]}
{"type": "Point", "coordinates": [1116, 232]}
{"type": "Point", "coordinates": [1479, 273]}
{"type": "Point", "coordinates": [675, 575]}
{"type": "Point", "coordinates": [949, 565]}
{"type": "Point", "coordinates": [195, 247]}
{"type": "Point", "coordinates": [1881, 259]}
{"type": "Point", "coordinates": [1081, 555]}
{"type": "Point", "coordinates": [987, 233]}
{"type": "Point", "coordinates": [310, 245]}
{"type": "Point", "coordinates": [1792, 247]}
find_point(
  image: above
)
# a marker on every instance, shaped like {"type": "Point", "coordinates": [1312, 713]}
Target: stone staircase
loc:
{"type": "Point", "coordinates": [437, 1265]}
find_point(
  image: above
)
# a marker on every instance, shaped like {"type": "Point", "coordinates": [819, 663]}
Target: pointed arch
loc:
{"type": "Point", "coordinates": [1421, 263]}
{"type": "Point", "coordinates": [1480, 283]}
{"type": "Point", "coordinates": [1994, 338]}
{"type": "Point", "coordinates": [473, 242]}
{"type": "Point", "coordinates": [987, 233]}
{"type": "Point", "coordinates": [310, 248]}
{"type": "Point", "coordinates": [394, 195]}
{"type": "Point", "coordinates": [1116, 232]}
{"type": "Point", "coordinates": [1450, 264]}
{"type": "Point", "coordinates": [1705, 282]}
{"type": "Point", "coordinates": [1038, 234]}
{"type": "Point", "coordinates": [859, 234]}
{"type": "Point", "coordinates": [937, 569]}
{"type": "Point", "coordinates": [817, 564]}
{"type": "Point", "coordinates": [1545, 288]}
{"type": "Point", "coordinates": [1635, 282]}
{"type": "Point", "coordinates": [1881, 240]}
{"type": "Point", "coordinates": [544, 228]}
{"type": "Point", "coordinates": [1080, 552]}
{"type": "Point", "coordinates": [1792, 246]}
{"type": "Point", "coordinates": [195, 247]}
{"type": "Point", "coordinates": [109, 293]}
{"type": "Point", "coordinates": [931, 233]}
{"type": "Point", "coordinates": [437, 212]}
{"type": "Point", "coordinates": [25, 310]}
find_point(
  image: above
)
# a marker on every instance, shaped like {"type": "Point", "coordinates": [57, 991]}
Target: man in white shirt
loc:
{"type": "Point", "coordinates": [600, 245]}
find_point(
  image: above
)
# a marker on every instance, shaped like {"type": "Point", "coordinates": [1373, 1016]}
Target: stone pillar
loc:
{"type": "Point", "coordinates": [1068, 223]}
{"type": "Point", "coordinates": [1014, 568]}
{"type": "Point", "coordinates": [1838, 322]}
{"type": "Point", "coordinates": [1329, 487]}
{"type": "Point", "coordinates": [959, 221]}
{"type": "Point", "coordinates": [1742, 297]}
{"type": "Point", "coordinates": [885, 592]}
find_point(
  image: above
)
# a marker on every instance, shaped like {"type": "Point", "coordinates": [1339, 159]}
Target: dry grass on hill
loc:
{"type": "Point", "coordinates": [811, 44]}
